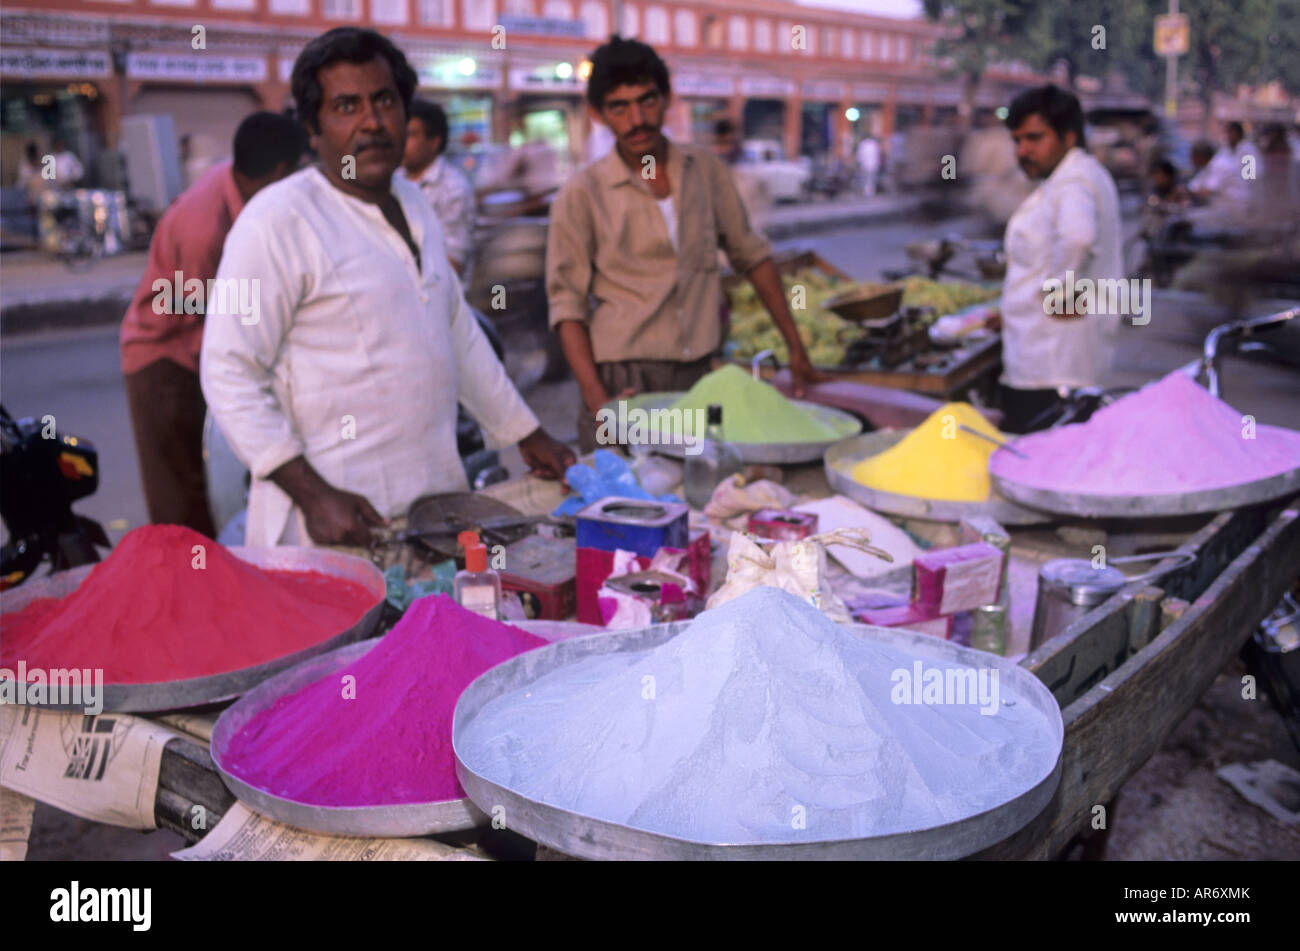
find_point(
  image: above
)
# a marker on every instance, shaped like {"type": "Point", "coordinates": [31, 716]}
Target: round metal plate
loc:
{"type": "Point", "coordinates": [199, 691]}
{"type": "Point", "coordinates": [403, 819]}
{"type": "Point", "coordinates": [843, 456]}
{"type": "Point", "coordinates": [589, 837]}
{"type": "Point", "coordinates": [1146, 506]}
{"type": "Point", "coordinates": [758, 453]}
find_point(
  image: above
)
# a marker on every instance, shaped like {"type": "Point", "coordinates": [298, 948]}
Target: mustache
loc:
{"type": "Point", "coordinates": [644, 130]}
{"type": "Point", "coordinates": [382, 142]}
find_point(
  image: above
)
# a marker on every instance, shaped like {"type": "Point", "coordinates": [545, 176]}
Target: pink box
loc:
{"type": "Point", "coordinates": [950, 580]}
{"type": "Point", "coordinates": [912, 617]}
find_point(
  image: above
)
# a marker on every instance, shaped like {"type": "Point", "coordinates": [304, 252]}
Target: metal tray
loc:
{"type": "Point", "coordinates": [589, 837]}
{"type": "Point", "coordinates": [403, 819]}
{"type": "Point", "coordinates": [199, 691]}
{"type": "Point", "coordinates": [758, 453]}
{"type": "Point", "coordinates": [844, 455]}
{"type": "Point", "coordinates": [1147, 506]}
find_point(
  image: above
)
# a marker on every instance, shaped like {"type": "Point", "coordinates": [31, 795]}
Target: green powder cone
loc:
{"type": "Point", "coordinates": [754, 411]}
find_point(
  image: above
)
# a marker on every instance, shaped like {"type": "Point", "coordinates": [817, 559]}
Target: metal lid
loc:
{"type": "Point", "coordinates": [1076, 580]}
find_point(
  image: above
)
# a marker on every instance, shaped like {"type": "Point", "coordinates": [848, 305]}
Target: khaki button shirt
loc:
{"type": "Point", "coordinates": [610, 263]}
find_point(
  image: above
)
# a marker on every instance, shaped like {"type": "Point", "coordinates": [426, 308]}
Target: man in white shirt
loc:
{"type": "Point", "coordinates": [1067, 230]}
{"type": "Point", "coordinates": [447, 189]}
{"type": "Point", "coordinates": [68, 169]}
{"type": "Point", "coordinates": [335, 370]}
{"type": "Point", "coordinates": [869, 163]}
{"type": "Point", "coordinates": [1225, 183]}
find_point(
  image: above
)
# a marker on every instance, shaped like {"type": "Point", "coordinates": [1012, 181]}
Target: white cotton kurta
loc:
{"type": "Point", "coordinates": [357, 359]}
{"type": "Point", "coordinates": [1070, 222]}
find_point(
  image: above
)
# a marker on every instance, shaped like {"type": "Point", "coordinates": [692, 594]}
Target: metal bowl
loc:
{"type": "Point", "coordinates": [843, 456]}
{"type": "Point", "coordinates": [861, 304]}
{"type": "Point", "coordinates": [199, 691]}
{"type": "Point", "coordinates": [401, 819]}
{"type": "Point", "coordinates": [1095, 505]}
{"type": "Point", "coordinates": [593, 838]}
{"type": "Point", "coordinates": [756, 453]}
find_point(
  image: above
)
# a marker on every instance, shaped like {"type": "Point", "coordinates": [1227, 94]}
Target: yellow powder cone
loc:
{"type": "Point", "coordinates": [936, 460]}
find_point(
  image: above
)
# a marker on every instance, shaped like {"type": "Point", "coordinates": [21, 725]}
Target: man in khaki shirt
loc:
{"type": "Point", "coordinates": [632, 254]}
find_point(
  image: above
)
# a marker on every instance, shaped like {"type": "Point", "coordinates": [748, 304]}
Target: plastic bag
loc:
{"type": "Point", "coordinates": [733, 500]}
{"type": "Point", "coordinates": [797, 567]}
{"type": "Point", "coordinates": [608, 475]}
{"type": "Point", "coordinates": [400, 594]}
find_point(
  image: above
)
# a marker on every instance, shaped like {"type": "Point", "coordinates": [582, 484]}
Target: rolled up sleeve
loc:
{"type": "Point", "coordinates": [482, 384]}
{"type": "Point", "coordinates": [241, 345]}
{"type": "Point", "coordinates": [745, 248]}
{"type": "Point", "coordinates": [570, 247]}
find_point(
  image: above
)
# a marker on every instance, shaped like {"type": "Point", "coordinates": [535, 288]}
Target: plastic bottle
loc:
{"type": "Point", "coordinates": [477, 588]}
{"type": "Point", "coordinates": [716, 460]}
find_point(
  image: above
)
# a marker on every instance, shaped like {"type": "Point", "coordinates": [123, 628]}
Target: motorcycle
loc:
{"type": "Point", "coordinates": [43, 473]}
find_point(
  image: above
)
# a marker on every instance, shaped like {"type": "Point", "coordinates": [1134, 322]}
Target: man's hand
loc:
{"type": "Point", "coordinates": [802, 372]}
{"type": "Point", "coordinates": [547, 458]}
{"type": "Point", "coordinates": [335, 517]}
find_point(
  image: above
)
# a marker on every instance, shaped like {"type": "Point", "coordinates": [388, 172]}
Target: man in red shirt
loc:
{"type": "Point", "coordinates": [162, 332]}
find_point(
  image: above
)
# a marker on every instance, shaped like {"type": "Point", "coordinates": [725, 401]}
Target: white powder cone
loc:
{"type": "Point", "coordinates": [764, 721]}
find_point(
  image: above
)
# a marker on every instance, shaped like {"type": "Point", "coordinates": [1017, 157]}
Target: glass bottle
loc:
{"type": "Point", "coordinates": [717, 460]}
{"type": "Point", "coordinates": [477, 588]}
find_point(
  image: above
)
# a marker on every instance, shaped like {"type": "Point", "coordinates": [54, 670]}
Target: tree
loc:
{"type": "Point", "coordinates": [988, 31]}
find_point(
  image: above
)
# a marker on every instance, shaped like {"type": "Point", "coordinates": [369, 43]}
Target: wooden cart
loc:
{"type": "Point", "coordinates": [974, 367]}
{"type": "Point", "coordinates": [1124, 675]}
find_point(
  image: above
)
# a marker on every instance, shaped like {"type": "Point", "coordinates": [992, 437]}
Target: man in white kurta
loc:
{"type": "Point", "coordinates": [1066, 230]}
{"type": "Point", "coordinates": [357, 359]}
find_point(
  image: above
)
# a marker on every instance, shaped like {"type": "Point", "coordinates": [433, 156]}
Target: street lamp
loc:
{"type": "Point", "coordinates": [466, 66]}
{"type": "Point", "coordinates": [564, 70]}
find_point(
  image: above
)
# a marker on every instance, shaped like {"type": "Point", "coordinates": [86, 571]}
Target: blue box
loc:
{"type": "Point", "coordinates": [637, 525]}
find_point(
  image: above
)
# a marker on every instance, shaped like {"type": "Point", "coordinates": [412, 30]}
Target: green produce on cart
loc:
{"type": "Point", "coordinates": [824, 333]}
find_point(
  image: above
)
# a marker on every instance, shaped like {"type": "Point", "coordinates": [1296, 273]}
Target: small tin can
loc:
{"type": "Point", "coordinates": [989, 629]}
{"type": "Point", "coordinates": [782, 525]}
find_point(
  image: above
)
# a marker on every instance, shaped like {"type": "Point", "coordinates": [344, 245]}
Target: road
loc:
{"type": "Point", "coordinates": [74, 374]}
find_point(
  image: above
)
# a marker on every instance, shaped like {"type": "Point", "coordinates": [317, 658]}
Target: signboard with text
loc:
{"type": "Point", "coordinates": [1172, 34]}
{"type": "Point", "coordinates": [198, 67]}
{"type": "Point", "coordinates": [73, 64]}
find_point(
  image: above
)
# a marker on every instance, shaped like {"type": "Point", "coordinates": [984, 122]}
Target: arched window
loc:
{"type": "Point", "coordinates": [631, 20]}
{"type": "Point", "coordinates": [737, 33]}
{"type": "Point", "coordinates": [595, 19]}
{"type": "Point", "coordinates": [685, 28]}
{"type": "Point", "coordinates": [558, 9]}
{"type": "Point", "coordinates": [656, 25]}
{"type": "Point", "coordinates": [763, 36]}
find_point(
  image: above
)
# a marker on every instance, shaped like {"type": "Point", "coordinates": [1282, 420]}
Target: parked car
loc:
{"type": "Point", "coordinates": [779, 178]}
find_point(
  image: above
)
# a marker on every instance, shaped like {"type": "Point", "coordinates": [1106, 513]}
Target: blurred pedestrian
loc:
{"type": "Point", "coordinates": [1225, 182]}
{"type": "Point", "coordinates": [869, 163]}
{"type": "Point", "coordinates": [68, 170]}
{"type": "Point", "coordinates": [726, 141]}
{"type": "Point", "coordinates": [161, 342]}
{"type": "Point", "coordinates": [448, 190]}
{"type": "Point", "coordinates": [1066, 231]}
{"type": "Point", "coordinates": [30, 179]}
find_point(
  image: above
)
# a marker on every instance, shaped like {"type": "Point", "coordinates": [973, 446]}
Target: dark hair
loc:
{"type": "Point", "coordinates": [1059, 109]}
{"type": "Point", "coordinates": [724, 127]}
{"type": "Point", "coordinates": [623, 62]}
{"type": "Point", "coordinates": [347, 44]}
{"type": "Point", "coordinates": [1165, 166]}
{"type": "Point", "coordinates": [265, 140]}
{"type": "Point", "coordinates": [433, 119]}
{"type": "Point", "coordinates": [32, 151]}
{"type": "Point", "coordinates": [1235, 128]}
{"type": "Point", "coordinates": [1203, 149]}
